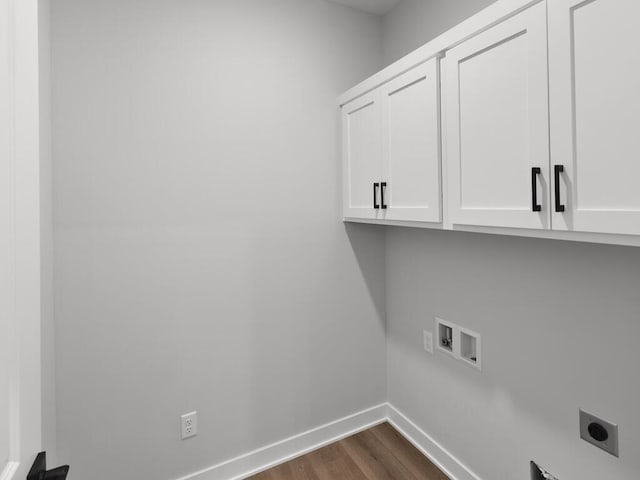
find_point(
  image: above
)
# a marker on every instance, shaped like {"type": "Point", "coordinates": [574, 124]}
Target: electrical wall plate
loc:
{"type": "Point", "coordinates": [427, 341]}
{"type": "Point", "coordinates": [598, 432]}
{"type": "Point", "coordinates": [189, 425]}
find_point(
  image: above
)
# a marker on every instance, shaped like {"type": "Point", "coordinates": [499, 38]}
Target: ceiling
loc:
{"type": "Point", "coordinates": [378, 7]}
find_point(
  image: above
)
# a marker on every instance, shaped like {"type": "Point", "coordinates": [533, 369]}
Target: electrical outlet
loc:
{"type": "Point", "coordinates": [427, 340]}
{"type": "Point", "coordinates": [189, 422]}
{"type": "Point", "coordinates": [599, 432]}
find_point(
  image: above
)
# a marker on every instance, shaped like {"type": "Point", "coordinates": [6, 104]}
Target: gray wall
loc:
{"type": "Point", "coordinates": [199, 254]}
{"type": "Point", "coordinates": [414, 22]}
{"type": "Point", "coordinates": [560, 323]}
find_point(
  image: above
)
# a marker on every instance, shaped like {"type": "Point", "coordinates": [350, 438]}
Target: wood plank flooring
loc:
{"type": "Point", "coordinates": [379, 453]}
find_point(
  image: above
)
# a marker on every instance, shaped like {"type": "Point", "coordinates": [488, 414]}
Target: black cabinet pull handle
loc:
{"type": "Point", "coordinates": [535, 171]}
{"type": "Point", "coordinates": [558, 169]}
{"type": "Point", "coordinates": [376, 186]}
{"type": "Point", "coordinates": [383, 187]}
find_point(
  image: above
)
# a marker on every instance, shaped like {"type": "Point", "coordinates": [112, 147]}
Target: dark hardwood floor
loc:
{"type": "Point", "coordinates": [380, 453]}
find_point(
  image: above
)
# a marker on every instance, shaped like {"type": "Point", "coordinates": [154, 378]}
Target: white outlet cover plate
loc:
{"type": "Point", "coordinates": [189, 425]}
{"type": "Point", "coordinates": [427, 339]}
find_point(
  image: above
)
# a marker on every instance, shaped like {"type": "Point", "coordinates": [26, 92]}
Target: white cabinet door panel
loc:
{"type": "Point", "coordinates": [595, 101]}
{"type": "Point", "coordinates": [411, 145]}
{"type": "Point", "coordinates": [497, 124]}
{"type": "Point", "coordinates": [362, 155]}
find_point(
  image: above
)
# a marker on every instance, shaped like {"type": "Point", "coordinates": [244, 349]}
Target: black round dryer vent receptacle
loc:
{"type": "Point", "coordinates": [598, 432]}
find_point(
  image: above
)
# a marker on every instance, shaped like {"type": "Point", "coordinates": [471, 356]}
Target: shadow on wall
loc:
{"type": "Point", "coordinates": [368, 243]}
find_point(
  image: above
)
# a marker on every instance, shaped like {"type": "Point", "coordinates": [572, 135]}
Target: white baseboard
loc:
{"type": "Point", "coordinates": [283, 451]}
{"type": "Point", "coordinates": [440, 456]}
{"type": "Point", "coordinates": [280, 452]}
{"type": "Point", "coordinates": [9, 471]}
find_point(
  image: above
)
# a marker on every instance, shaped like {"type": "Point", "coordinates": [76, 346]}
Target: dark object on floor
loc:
{"type": "Point", "coordinates": [379, 453]}
{"type": "Point", "coordinates": [39, 470]}
{"type": "Point", "coordinates": [538, 473]}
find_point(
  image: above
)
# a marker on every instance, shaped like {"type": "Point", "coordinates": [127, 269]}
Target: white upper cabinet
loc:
{"type": "Point", "coordinates": [362, 156]}
{"type": "Point", "coordinates": [411, 146]}
{"type": "Point", "coordinates": [497, 133]}
{"type": "Point", "coordinates": [391, 148]}
{"type": "Point", "coordinates": [537, 134]}
{"type": "Point", "coordinates": [595, 112]}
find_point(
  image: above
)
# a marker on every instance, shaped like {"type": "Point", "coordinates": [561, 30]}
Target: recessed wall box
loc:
{"type": "Point", "coordinates": [446, 334]}
{"type": "Point", "coordinates": [471, 348]}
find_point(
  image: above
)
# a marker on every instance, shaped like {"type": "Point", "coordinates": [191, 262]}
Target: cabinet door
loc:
{"type": "Point", "coordinates": [362, 156]}
{"type": "Point", "coordinates": [411, 145]}
{"type": "Point", "coordinates": [595, 100]}
{"type": "Point", "coordinates": [498, 124]}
